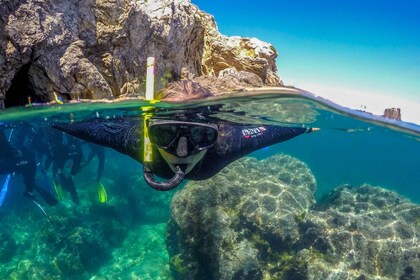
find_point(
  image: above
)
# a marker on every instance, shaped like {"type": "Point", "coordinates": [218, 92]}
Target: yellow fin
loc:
{"type": "Point", "coordinates": [102, 196]}
{"type": "Point", "coordinates": [59, 191]}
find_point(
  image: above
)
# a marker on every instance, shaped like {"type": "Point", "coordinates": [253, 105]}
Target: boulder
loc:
{"type": "Point", "coordinates": [8, 247]}
{"type": "Point", "coordinates": [258, 220]}
{"type": "Point", "coordinates": [230, 226]}
{"type": "Point", "coordinates": [367, 233]}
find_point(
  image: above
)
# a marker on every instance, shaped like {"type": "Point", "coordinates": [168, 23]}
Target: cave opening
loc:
{"type": "Point", "coordinates": [21, 89]}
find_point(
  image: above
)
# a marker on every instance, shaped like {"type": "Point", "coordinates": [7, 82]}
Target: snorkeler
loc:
{"type": "Point", "coordinates": [182, 149]}
{"type": "Point", "coordinates": [22, 161]}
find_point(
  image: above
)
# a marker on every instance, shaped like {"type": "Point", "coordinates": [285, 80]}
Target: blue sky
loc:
{"type": "Point", "coordinates": [332, 48]}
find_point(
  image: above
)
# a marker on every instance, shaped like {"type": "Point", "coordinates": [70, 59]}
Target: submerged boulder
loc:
{"type": "Point", "coordinates": [369, 232]}
{"type": "Point", "coordinates": [258, 220]}
{"type": "Point", "coordinates": [228, 227]}
{"type": "Point", "coordinates": [8, 247]}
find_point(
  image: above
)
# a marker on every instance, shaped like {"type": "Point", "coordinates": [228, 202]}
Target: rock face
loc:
{"type": "Point", "coordinates": [98, 49]}
{"type": "Point", "coordinates": [258, 220]}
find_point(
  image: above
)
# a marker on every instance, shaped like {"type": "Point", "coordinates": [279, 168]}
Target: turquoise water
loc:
{"type": "Point", "coordinates": [127, 237]}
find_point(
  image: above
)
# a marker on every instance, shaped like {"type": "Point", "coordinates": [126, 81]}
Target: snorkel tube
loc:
{"type": "Point", "coordinates": [147, 145]}
{"type": "Point", "coordinates": [166, 185]}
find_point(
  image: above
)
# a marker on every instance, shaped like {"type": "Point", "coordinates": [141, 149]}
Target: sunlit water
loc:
{"type": "Point", "coordinates": [351, 148]}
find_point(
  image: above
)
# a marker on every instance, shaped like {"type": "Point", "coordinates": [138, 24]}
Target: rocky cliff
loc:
{"type": "Point", "coordinates": [98, 49]}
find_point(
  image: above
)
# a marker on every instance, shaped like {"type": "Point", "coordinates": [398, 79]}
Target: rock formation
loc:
{"type": "Point", "coordinates": [98, 49]}
{"type": "Point", "coordinates": [365, 232]}
{"type": "Point", "coordinates": [258, 220]}
{"type": "Point", "coordinates": [393, 113]}
{"type": "Point", "coordinates": [230, 226]}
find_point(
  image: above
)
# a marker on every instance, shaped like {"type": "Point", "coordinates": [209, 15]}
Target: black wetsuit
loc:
{"type": "Point", "coordinates": [234, 141]}
{"type": "Point", "coordinates": [66, 154]}
{"type": "Point", "coordinates": [21, 160]}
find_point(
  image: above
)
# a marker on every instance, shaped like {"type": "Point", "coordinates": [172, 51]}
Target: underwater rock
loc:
{"type": "Point", "coordinates": [7, 247]}
{"type": "Point", "coordinates": [98, 49]}
{"type": "Point", "coordinates": [258, 220]}
{"type": "Point", "coordinates": [142, 256]}
{"type": "Point", "coordinates": [79, 248]}
{"type": "Point", "coordinates": [365, 232]}
{"type": "Point", "coordinates": [224, 227]}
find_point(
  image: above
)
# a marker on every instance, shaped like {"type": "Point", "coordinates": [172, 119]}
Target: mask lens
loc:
{"type": "Point", "coordinates": [201, 136]}
{"type": "Point", "coordinates": [163, 135]}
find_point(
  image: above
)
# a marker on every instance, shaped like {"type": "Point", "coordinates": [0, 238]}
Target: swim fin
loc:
{"type": "Point", "coordinates": [44, 182]}
{"type": "Point", "coordinates": [42, 208]}
{"type": "Point", "coordinates": [47, 196]}
{"type": "Point", "coordinates": [68, 185]}
{"type": "Point", "coordinates": [59, 191]}
{"type": "Point", "coordinates": [4, 189]}
{"type": "Point", "coordinates": [102, 195]}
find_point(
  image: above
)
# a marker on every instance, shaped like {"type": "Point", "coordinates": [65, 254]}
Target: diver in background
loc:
{"type": "Point", "coordinates": [67, 157]}
{"type": "Point", "coordinates": [99, 152]}
{"type": "Point", "coordinates": [20, 159]}
{"type": "Point", "coordinates": [182, 149]}
{"type": "Point", "coordinates": [38, 142]}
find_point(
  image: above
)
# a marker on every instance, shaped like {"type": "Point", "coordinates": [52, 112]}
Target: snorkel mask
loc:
{"type": "Point", "coordinates": [181, 144]}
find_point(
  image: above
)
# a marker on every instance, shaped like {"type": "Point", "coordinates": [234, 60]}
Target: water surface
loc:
{"type": "Point", "coordinates": [352, 148]}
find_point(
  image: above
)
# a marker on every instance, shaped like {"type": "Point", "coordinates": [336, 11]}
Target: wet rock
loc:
{"type": "Point", "coordinates": [230, 226]}
{"type": "Point", "coordinates": [98, 49]}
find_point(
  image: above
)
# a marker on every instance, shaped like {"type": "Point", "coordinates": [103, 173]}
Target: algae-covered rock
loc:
{"type": "Point", "coordinates": [367, 232]}
{"type": "Point", "coordinates": [258, 220]}
{"type": "Point", "coordinates": [7, 247]}
{"type": "Point", "coordinates": [141, 256]}
{"type": "Point", "coordinates": [228, 226]}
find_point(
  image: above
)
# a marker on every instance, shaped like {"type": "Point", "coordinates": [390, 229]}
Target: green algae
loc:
{"type": "Point", "coordinates": [178, 265]}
